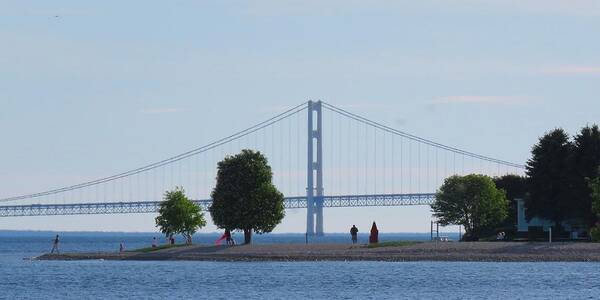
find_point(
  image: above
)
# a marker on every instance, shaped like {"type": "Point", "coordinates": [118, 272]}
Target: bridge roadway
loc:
{"type": "Point", "coordinates": [152, 206]}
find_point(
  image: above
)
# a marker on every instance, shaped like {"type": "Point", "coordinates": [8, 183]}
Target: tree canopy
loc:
{"type": "Point", "coordinates": [472, 201]}
{"type": "Point", "coordinates": [550, 181]}
{"type": "Point", "coordinates": [594, 185]}
{"type": "Point", "coordinates": [178, 215]}
{"type": "Point", "coordinates": [515, 187]}
{"type": "Point", "coordinates": [244, 197]}
{"type": "Point", "coordinates": [585, 162]}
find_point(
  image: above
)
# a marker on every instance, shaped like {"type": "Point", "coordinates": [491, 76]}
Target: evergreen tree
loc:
{"type": "Point", "coordinates": [585, 162]}
{"type": "Point", "coordinates": [594, 185]}
{"type": "Point", "coordinates": [550, 182]}
{"type": "Point", "coordinates": [515, 187]}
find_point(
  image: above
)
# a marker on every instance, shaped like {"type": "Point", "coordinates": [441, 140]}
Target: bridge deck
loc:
{"type": "Point", "coordinates": [152, 206]}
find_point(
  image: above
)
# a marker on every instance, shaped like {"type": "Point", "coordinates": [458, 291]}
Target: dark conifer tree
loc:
{"type": "Point", "coordinates": [515, 187]}
{"type": "Point", "coordinates": [550, 181]}
{"type": "Point", "coordinates": [585, 162]}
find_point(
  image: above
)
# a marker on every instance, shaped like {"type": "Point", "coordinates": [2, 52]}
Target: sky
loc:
{"type": "Point", "coordinates": [89, 89]}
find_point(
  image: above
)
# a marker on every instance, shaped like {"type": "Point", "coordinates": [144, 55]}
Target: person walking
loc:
{"type": "Point", "coordinates": [121, 247]}
{"type": "Point", "coordinates": [354, 234]}
{"type": "Point", "coordinates": [55, 245]}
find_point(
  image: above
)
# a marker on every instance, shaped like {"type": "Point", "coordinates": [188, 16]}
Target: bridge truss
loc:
{"type": "Point", "coordinates": [152, 206]}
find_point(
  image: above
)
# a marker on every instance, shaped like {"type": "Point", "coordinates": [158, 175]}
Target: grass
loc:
{"type": "Point", "coordinates": [152, 249]}
{"type": "Point", "coordinates": [394, 244]}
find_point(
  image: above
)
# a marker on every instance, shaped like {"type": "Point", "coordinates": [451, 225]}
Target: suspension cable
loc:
{"type": "Point", "coordinates": [219, 142]}
{"type": "Point", "coordinates": [417, 138]}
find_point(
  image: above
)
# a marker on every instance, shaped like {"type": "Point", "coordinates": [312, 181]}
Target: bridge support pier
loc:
{"type": "Point", "coordinates": [314, 194]}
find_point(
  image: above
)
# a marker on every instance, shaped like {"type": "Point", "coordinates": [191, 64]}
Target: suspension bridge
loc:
{"type": "Point", "coordinates": [322, 156]}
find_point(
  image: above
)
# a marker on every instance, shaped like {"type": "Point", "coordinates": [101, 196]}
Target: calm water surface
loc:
{"type": "Point", "coordinates": [274, 280]}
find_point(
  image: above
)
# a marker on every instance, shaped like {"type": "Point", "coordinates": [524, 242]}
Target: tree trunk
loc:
{"type": "Point", "coordinates": [247, 236]}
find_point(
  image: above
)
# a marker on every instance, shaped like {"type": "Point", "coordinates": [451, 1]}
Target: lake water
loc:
{"type": "Point", "coordinates": [273, 280]}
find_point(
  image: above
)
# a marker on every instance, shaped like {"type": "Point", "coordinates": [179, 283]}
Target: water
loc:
{"type": "Point", "coordinates": [273, 280]}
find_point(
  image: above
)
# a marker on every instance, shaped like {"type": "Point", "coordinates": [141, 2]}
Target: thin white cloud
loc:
{"type": "Point", "coordinates": [557, 7]}
{"type": "Point", "coordinates": [334, 7]}
{"type": "Point", "coordinates": [164, 110]}
{"type": "Point", "coordinates": [592, 70]}
{"type": "Point", "coordinates": [473, 99]}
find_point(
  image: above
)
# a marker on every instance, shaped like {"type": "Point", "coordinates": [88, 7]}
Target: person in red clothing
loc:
{"type": "Point", "coordinates": [374, 237]}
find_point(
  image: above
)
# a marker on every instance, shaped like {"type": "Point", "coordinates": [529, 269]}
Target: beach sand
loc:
{"type": "Point", "coordinates": [427, 251]}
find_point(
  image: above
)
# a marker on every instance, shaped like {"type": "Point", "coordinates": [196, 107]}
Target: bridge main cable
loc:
{"type": "Point", "coordinates": [417, 138]}
{"type": "Point", "coordinates": [290, 112]}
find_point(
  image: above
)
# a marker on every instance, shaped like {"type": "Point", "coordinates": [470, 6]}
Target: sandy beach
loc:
{"type": "Point", "coordinates": [428, 251]}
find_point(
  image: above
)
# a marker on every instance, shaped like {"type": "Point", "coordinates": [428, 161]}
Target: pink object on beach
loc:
{"type": "Point", "coordinates": [218, 242]}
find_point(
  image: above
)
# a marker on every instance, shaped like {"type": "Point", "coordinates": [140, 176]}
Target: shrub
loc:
{"type": "Point", "coordinates": [595, 233]}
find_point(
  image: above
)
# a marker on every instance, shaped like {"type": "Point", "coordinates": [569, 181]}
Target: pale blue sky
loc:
{"type": "Point", "coordinates": [90, 89]}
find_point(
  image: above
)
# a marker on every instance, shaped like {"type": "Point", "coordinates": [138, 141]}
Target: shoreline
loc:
{"type": "Point", "coordinates": [426, 251]}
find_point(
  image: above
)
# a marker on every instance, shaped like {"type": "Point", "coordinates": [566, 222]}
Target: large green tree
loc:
{"type": "Point", "coordinates": [515, 187]}
{"type": "Point", "coordinates": [550, 178]}
{"type": "Point", "coordinates": [594, 185]}
{"type": "Point", "coordinates": [244, 197]}
{"type": "Point", "coordinates": [585, 162]}
{"type": "Point", "coordinates": [178, 215]}
{"type": "Point", "coordinates": [472, 201]}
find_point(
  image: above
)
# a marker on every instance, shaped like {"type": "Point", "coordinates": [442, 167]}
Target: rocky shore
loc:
{"type": "Point", "coordinates": [428, 251]}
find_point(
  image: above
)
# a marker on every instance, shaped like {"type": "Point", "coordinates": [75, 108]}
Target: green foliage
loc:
{"type": "Point", "coordinates": [595, 233]}
{"type": "Point", "coordinates": [550, 191]}
{"type": "Point", "coordinates": [244, 197]}
{"type": "Point", "coordinates": [515, 187]}
{"type": "Point", "coordinates": [594, 185]}
{"type": "Point", "coordinates": [585, 162]}
{"type": "Point", "coordinates": [559, 171]}
{"type": "Point", "coordinates": [178, 215]}
{"type": "Point", "coordinates": [472, 201]}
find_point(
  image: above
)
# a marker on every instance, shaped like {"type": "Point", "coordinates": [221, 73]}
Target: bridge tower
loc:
{"type": "Point", "coordinates": [314, 193]}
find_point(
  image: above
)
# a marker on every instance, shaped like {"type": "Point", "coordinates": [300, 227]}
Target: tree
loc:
{"type": "Point", "coordinates": [515, 187]}
{"type": "Point", "coordinates": [178, 215]}
{"type": "Point", "coordinates": [244, 197]}
{"type": "Point", "coordinates": [584, 163]}
{"type": "Point", "coordinates": [472, 201]}
{"type": "Point", "coordinates": [594, 185]}
{"type": "Point", "coordinates": [550, 183]}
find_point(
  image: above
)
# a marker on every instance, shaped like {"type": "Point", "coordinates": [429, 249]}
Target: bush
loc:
{"type": "Point", "coordinates": [595, 233]}
{"type": "Point", "coordinates": [536, 233]}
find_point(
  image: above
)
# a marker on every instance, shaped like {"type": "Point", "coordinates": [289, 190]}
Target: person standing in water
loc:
{"type": "Point", "coordinates": [354, 234]}
{"type": "Point", "coordinates": [55, 245]}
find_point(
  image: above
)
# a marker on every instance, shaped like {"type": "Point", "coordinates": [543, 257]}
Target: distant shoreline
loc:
{"type": "Point", "coordinates": [428, 251]}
